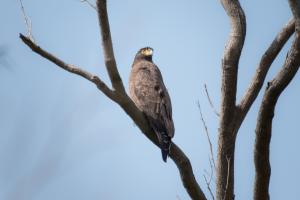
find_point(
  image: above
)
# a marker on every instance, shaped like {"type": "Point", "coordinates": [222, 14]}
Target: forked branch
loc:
{"type": "Point", "coordinates": [266, 112]}
{"type": "Point", "coordinates": [118, 95]}
{"type": "Point", "coordinates": [264, 66]}
{"type": "Point", "coordinates": [228, 111]}
{"type": "Point", "coordinates": [212, 157]}
{"type": "Point", "coordinates": [108, 51]}
{"type": "Point", "coordinates": [177, 155]}
{"type": "Point", "coordinates": [89, 3]}
{"type": "Point", "coordinates": [231, 58]}
{"type": "Point", "coordinates": [70, 68]}
{"type": "Point", "coordinates": [27, 21]}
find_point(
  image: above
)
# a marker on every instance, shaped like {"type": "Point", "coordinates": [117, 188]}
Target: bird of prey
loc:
{"type": "Point", "coordinates": [148, 92]}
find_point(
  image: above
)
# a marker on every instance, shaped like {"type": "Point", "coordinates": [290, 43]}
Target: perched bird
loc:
{"type": "Point", "coordinates": [148, 92]}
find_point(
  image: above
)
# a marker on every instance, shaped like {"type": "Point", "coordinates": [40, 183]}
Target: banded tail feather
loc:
{"type": "Point", "coordinates": [163, 138]}
{"type": "Point", "coordinates": [165, 144]}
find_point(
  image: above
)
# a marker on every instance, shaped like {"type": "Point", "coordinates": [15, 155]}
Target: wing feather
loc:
{"type": "Point", "coordinates": [149, 93]}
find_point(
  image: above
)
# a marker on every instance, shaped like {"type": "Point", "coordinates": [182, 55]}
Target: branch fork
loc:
{"type": "Point", "coordinates": [231, 113]}
{"type": "Point", "coordinates": [119, 96]}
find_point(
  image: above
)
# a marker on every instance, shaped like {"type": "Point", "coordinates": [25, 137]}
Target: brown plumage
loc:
{"type": "Point", "coordinates": [148, 92]}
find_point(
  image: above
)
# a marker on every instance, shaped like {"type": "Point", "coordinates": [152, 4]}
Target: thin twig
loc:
{"type": "Point", "coordinates": [119, 96]}
{"type": "Point", "coordinates": [210, 101]}
{"type": "Point", "coordinates": [208, 182]}
{"type": "Point", "coordinates": [27, 21]}
{"type": "Point", "coordinates": [208, 187]}
{"type": "Point", "coordinates": [211, 158]}
{"type": "Point", "coordinates": [228, 175]}
{"type": "Point", "coordinates": [211, 170]}
{"type": "Point", "coordinates": [207, 134]}
{"type": "Point", "coordinates": [89, 3]}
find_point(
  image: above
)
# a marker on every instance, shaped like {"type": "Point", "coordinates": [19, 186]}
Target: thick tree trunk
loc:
{"type": "Point", "coordinates": [231, 113]}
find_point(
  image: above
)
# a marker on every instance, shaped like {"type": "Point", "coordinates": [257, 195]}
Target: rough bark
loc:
{"type": "Point", "coordinates": [70, 68]}
{"type": "Point", "coordinates": [266, 113]}
{"type": "Point", "coordinates": [231, 115]}
{"type": "Point", "coordinates": [264, 66]}
{"type": "Point", "coordinates": [108, 51]}
{"type": "Point", "coordinates": [227, 131]}
{"type": "Point", "coordinates": [118, 95]}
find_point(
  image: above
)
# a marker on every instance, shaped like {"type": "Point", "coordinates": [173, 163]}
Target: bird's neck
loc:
{"type": "Point", "coordinates": [143, 58]}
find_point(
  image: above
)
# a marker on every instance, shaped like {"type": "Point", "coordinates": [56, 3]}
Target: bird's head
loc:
{"type": "Point", "coordinates": [145, 53]}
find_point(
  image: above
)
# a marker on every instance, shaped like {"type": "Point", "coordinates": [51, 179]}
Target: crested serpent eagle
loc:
{"type": "Point", "coordinates": [148, 92]}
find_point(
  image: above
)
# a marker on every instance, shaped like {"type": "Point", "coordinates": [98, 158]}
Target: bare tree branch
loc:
{"type": "Point", "coordinates": [121, 98]}
{"type": "Point", "coordinates": [228, 113]}
{"type": "Point", "coordinates": [89, 3]}
{"type": "Point", "coordinates": [228, 175]}
{"type": "Point", "coordinates": [186, 173]}
{"type": "Point", "coordinates": [180, 159]}
{"type": "Point", "coordinates": [71, 68]}
{"type": "Point", "coordinates": [211, 157]}
{"type": "Point", "coordinates": [27, 21]}
{"type": "Point", "coordinates": [231, 58]}
{"type": "Point", "coordinates": [266, 112]}
{"type": "Point", "coordinates": [207, 135]}
{"type": "Point", "coordinates": [208, 187]}
{"type": "Point", "coordinates": [264, 66]}
{"type": "Point", "coordinates": [210, 101]}
{"type": "Point", "coordinates": [211, 178]}
{"type": "Point", "coordinates": [109, 57]}
{"type": "Point", "coordinates": [208, 181]}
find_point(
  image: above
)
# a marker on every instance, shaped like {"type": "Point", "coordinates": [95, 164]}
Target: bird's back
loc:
{"type": "Point", "coordinates": [148, 92]}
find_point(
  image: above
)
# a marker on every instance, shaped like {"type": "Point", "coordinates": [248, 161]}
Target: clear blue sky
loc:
{"type": "Point", "coordinates": [60, 138]}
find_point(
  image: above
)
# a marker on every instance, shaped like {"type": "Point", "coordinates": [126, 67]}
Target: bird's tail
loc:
{"type": "Point", "coordinates": [163, 137]}
{"type": "Point", "coordinates": [165, 143]}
